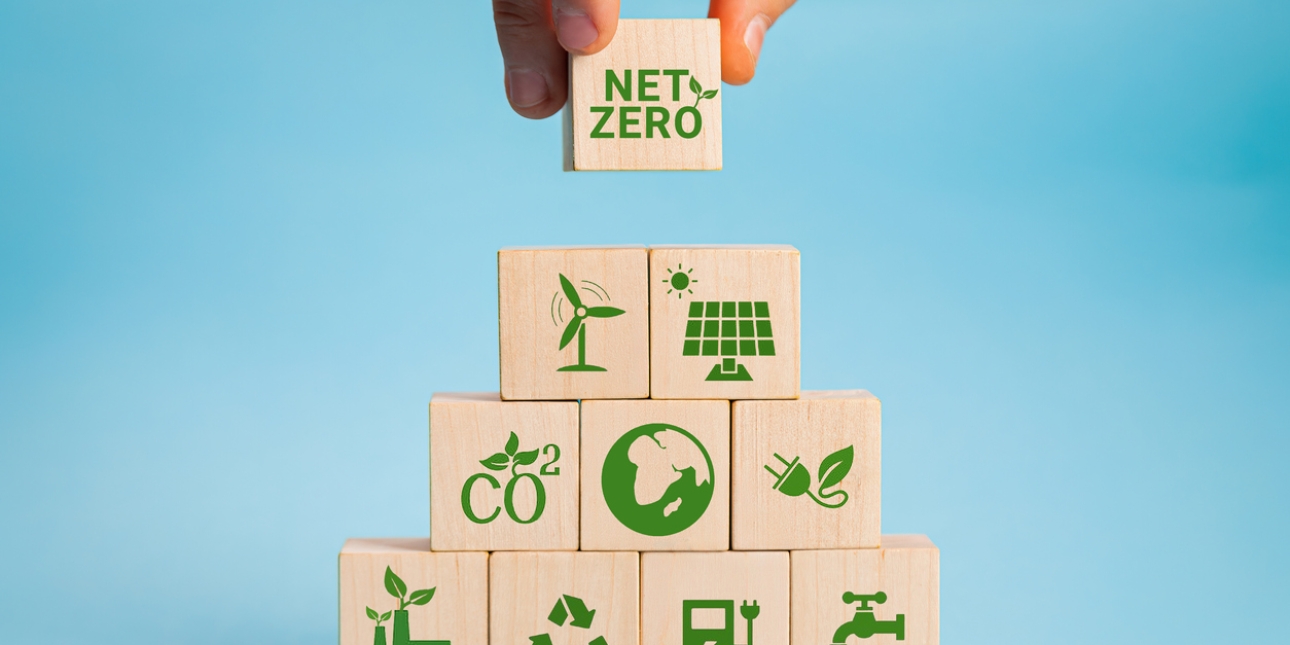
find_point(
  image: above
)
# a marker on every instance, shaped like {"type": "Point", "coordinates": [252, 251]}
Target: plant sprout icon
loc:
{"type": "Point", "coordinates": [680, 280]}
{"type": "Point", "coordinates": [577, 326]}
{"type": "Point", "coordinates": [698, 91]}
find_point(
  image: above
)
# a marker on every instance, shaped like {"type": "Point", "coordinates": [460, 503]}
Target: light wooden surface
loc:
{"type": "Point", "coordinates": [821, 423]}
{"type": "Point", "coordinates": [457, 612]}
{"type": "Point", "coordinates": [466, 428]}
{"type": "Point", "coordinates": [669, 579]}
{"type": "Point", "coordinates": [692, 46]}
{"type": "Point", "coordinates": [604, 422]}
{"type": "Point", "coordinates": [534, 313]}
{"type": "Point", "coordinates": [906, 568]}
{"type": "Point", "coordinates": [525, 587]}
{"type": "Point", "coordinates": [740, 276]}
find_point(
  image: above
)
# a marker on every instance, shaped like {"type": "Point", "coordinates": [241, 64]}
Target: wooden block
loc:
{"type": "Point", "coordinates": [723, 598]}
{"type": "Point", "coordinates": [503, 475]}
{"type": "Point", "coordinates": [574, 322]}
{"type": "Point", "coordinates": [651, 100]}
{"type": "Point", "coordinates": [564, 599]}
{"type": "Point", "coordinates": [724, 322]}
{"type": "Point", "coordinates": [806, 473]}
{"type": "Point", "coordinates": [418, 597]}
{"type": "Point", "coordinates": [899, 584]}
{"type": "Point", "coordinates": [655, 475]}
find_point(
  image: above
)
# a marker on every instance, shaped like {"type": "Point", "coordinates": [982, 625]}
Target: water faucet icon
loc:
{"type": "Point", "coordinates": [863, 624]}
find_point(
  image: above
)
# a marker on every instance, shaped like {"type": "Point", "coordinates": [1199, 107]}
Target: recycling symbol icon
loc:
{"type": "Point", "coordinates": [573, 610]}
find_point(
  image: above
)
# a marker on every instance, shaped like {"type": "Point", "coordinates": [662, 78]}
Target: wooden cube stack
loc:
{"type": "Point", "coordinates": [649, 474]}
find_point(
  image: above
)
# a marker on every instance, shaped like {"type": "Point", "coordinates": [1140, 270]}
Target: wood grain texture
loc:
{"type": "Point", "coordinates": [468, 427]}
{"type": "Point", "coordinates": [690, 45]}
{"type": "Point", "coordinates": [809, 429]}
{"type": "Point", "coordinates": [604, 422]}
{"type": "Point", "coordinates": [906, 568]}
{"type": "Point", "coordinates": [457, 612]}
{"type": "Point", "coordinates": [727, 274]}
{"type": "Point", "coordinates": [669, 579]}
{"type": "Point", "coordinates": [524, 587]}
{"type": "Point", "coordinates": [534, 313]}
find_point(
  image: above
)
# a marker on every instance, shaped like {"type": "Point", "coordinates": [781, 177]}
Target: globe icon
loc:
{"type": "Point", "coordinates": [657, 479]}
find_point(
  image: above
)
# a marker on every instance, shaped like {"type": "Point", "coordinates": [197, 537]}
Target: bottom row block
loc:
{"type": "Point", "coordinates": [397, 592]}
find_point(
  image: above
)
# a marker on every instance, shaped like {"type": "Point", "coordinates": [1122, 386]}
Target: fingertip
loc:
{"type": "Point", "coordinates": [585, 26]}
{"type": "Point", "coordinates": [532, 94]}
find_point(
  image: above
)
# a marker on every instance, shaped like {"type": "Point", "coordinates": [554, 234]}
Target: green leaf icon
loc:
{"type": "Point", "coordinates": [372, 614]}
{"type": "Point", "coordinates": [709, 94]}
{"type": "Point", "coordinates": [394, 584]}
{"type": "Point", "coordinates": [526, 458]}
{"type": "Point", "coordinates": [512, 444]}
{"type": "Point", "coordinates": [836, 466]}
{"type": "Point", "coordinates": [694, 86]}
{"type": "Point", "coordinates": [386, 616]}
{"type": "Point", "coordinates": [498, 461]}
{"type": "Point", "coordinates": [421, 596]}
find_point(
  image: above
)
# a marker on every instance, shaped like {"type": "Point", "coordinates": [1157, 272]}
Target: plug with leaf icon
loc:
{"type": "Point", "coordinates": [796, 480]}
{"type": "Point", "coordinates": [698, 91]}
{"type": "Point", "coordinates": [511, 457]}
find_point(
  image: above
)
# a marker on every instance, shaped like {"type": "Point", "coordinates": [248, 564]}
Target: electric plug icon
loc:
{"type": "Point", "coordinates": [749, 612]}
{"type": "Point", "coordinates": [795, 479]}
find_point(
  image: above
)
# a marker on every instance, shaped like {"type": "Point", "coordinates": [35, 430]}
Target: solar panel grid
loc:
{"type": "Point", "coordinates": [728, 328]}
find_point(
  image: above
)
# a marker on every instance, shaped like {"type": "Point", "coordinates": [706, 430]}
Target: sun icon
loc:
{"type": "Point", "coordinates": [680, 281]}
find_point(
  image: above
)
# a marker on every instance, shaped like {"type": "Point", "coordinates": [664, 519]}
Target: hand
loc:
{"type": "Point", "coordinates": [536, 34]}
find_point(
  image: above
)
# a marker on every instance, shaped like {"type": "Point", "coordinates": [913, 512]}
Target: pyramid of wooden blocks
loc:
{"type": "Point", "coordinates": [650, 472]}
{"type": "Point", "coordinates": [651, 100]}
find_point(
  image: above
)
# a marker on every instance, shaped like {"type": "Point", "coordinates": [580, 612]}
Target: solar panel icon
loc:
{"type": "Point", "coordinates": [728, 330]}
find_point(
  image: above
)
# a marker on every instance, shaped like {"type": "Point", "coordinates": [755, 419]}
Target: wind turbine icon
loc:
{"type": "Point", "coordinates": [578, 326]}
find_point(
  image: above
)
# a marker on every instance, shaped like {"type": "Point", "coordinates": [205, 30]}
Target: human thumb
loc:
{"type": "Point", "coordinates": [743, 29]}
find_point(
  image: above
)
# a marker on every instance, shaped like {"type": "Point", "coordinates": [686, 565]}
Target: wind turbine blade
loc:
{"type": "Point", "coordinates": [604, 312]}
{"type": "Point", "coordinates": [571, 330]}
{"type": "Point", "coordinates": [570, 292]}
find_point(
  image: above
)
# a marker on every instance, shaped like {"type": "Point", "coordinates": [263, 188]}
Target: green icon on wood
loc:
{"type": "Point", "coordinates": [796, 480]}
{"type": "Point", "coordinates": [512, 458]}
{"type": "Point", "coordinates": [397, 588]}
{"type": "Point", "coordinates": [863, 624]}
{"type": "Point", "coordinates": [567, 607]}
{"type": "Point", "coordinates": [577, 325]}
{"type": "Point", "coordinates": [679, 281]}
{"type": "Point", "coordinates": [728, 329]}
{"type": "Point", "coordinates": [723, 635]}
{"type": "Point", "coordinates": [657, 479]}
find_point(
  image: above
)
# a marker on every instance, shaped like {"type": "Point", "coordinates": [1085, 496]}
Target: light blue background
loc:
{"type": "Point", "coordinates": [242, 242]}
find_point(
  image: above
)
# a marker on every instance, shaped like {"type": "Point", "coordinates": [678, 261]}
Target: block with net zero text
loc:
{"type": "Point", "coordinates": [724, 322]}
{"type": "Point", "coordinates": [881, 595]}
{"type": "Point", "coordinates": [655, 475]}
{"type": "Point", "coordinates": [395, 591]}
{"type": "Point", "coordinates": [806, 473]}
{"type": "Point", "coordinates": [503, 474]}
{"type": "Point", "coordinates": [574, 322]}
{"type": "Point", "coordinates": [555, 598]}
{"type": "Point", "coordinates": [729, 598]}
{"type": "Point", "coordinates": [651, 100]}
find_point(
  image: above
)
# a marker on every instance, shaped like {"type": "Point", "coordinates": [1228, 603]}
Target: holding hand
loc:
{"type": "Point", "coordinates": [537, 35]}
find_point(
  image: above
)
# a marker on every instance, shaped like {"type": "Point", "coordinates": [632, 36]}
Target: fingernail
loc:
{"type": "Point", "coordinates": [756, 33]}
{"type": "Point", "coordinates": [574, 29]}
{"type": "Point", "coordinates": [528, 88]}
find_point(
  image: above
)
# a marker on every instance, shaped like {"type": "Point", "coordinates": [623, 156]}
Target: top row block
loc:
{"type": "Point", "coordinates": [664, 322]}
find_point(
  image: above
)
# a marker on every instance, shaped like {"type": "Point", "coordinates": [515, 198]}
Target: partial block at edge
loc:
{"type": "Point", "coordinates": [456, 610]}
